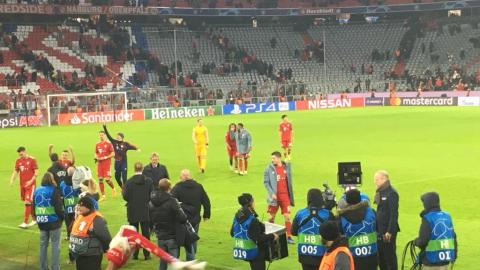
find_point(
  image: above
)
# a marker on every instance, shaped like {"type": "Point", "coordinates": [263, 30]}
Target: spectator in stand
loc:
{"type": "Point", "coordinates": [192, 197]}
{"type": "Point", "coordinates": [1, 58]}
{"type": "Point", "coordinates": [136, 193]}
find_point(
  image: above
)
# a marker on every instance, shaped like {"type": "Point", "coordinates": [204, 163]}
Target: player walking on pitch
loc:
{"type": "Point", "coordinates": [232, 146]}
{"type": "Point", "coordinates": [244, 146]}
{"type": "Point", "coordinates": [286, 136]}
{"type": "Point", "coordinates": [120, 147]}
{"type": "Point", "coordinates": [200, 140]}
{"type": "Point", "coordinates": [103, 153]}
{"type": "Point", "coordinates": [26, 168]}
{"type": "Point", "coordinates": [64, 160]}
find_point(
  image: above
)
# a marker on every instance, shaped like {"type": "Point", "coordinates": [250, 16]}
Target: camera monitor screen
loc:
{"type": "Point", "coordinates": [349, 173]}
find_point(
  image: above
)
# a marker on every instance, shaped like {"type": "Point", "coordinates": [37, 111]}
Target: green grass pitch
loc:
{"type": "Point", "coordinates": [423, 148]}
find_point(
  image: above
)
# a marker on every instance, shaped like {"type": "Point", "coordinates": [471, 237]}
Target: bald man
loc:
{"type": "Point", "coordinates": [193, 197]}
{"type": "Point", "coordinates": [386, 199]}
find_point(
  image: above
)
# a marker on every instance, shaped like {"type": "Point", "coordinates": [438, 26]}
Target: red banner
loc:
{"type": "Point", "coordinates": [329, 103]}
{"type": "Point", "coordinates": [100, 117]}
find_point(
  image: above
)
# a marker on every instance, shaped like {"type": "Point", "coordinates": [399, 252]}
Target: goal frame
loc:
{"type": "Point", "coordinates": [85, 95]}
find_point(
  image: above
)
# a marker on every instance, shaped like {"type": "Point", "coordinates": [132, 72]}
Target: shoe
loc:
{"type": "Point", "coordinates": [236, 171]}
{"type": "Point", "coordinates": [102, 198]}
{"type": "Point", "coordinates": [135, 258]}
{"type": "Point", "coordinates": [202, 170]}
{"type": "Point", "coordinates": [147, 258]}
{"type": "Point", "coordinates": [114, 193]}
{"type": "Point", "coordinates": [290, 240]}
{"type": "Point", "coordinates": [32, 223]}
{"type": "Point", "coordinates": [23, 225]}
{"type": "Point", "coordinates": [231, 168]}
{"type": "Point", "coordinates": [240, 173]}
{"type": "Point", "coordinates": [245, 172]}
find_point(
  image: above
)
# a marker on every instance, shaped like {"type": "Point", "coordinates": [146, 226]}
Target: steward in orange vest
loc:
{"type": "Point", "coordinates": [90, 237]}
{"type": "Point", "coordinates": [338, 256]}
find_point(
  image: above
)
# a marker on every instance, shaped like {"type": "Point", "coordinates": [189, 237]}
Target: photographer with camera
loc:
{"type": "Point", "coordinates": [437, 238]}
{"type": "Point", "coordinates": [342, 203]}
{"type": "Point", "coordinates": [358, 224]}
{"type": "Point", "coordinates": [306, 225]}
{"type": "Point", "coordinates": [248, 232]}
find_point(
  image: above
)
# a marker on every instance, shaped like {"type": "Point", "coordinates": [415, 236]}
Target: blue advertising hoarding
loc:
{"type": "Point", "coordinates": [259, 107]}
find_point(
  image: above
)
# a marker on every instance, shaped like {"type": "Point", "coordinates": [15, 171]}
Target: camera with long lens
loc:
{"type": "Point", "coordinates": [328, 197]}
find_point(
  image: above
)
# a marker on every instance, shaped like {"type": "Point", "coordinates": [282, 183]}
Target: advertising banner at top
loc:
{"type": "Point", "coordinates": [421, 101]}
{"type": "Point", "coordinates": [99, 117]}
{"type": "Point", "coordinates": [182, 112]}
{"type": "Point", "coordinates": [259, 107]}
{"type": "Point", "coordinates": [329, 103]}
{"type": "Point", "coordinates": [468, 101]}
{"type": "Point", "coordinates": [22, 121]}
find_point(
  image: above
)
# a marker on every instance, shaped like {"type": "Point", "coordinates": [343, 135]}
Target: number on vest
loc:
{"type": "Point", "coordinates": [363, 251]}
{"type": "Point", "coordinates": [42, 219]}
{"type": "Point", "coordinates": [82, 225]}
{"type": "Point", "coordinates": [239, 254]}
{"type": "Point", "coordinates": [309, 249]}
{"type": "Point", "coordinates": [444, 256]}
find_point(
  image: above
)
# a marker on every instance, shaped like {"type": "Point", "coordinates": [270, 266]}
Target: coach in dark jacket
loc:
{"type": "Point", "coordinates": [192, 197]}
{"type": "Point", "coordinates": [57, 170]}
{"type": "Point", "coordinates": [386, 199]}
{"type": "Point", "coordinates": [165, 215]}
{"type": "Point", "coordinates": [155, 170]}
{"type": "Point", "coordinates": [136, 193]}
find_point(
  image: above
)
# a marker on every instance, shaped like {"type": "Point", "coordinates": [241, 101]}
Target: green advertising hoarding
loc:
{"type": "Point", "coordinates": [182, 112]}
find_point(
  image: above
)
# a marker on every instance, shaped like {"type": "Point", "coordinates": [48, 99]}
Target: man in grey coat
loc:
{"type": "Point", "coordinates": [277, 179]}
{"type": "Point", "coordinates": [244, 146]}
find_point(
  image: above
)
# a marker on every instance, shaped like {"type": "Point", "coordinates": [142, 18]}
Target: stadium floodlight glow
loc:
{"type": "Point", "coordinates": [109, 106]}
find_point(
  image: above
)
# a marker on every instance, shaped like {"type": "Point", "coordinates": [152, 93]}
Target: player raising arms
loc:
{"type": "Point", "coordinates": [232, 146]}
{"type": "Point", "coordinates": [26, 168]}
{"type": "Point", "coordinates": [200, 140]}
{"type": "Point", "coordinates": [286, 136]}
{"type": "Point", "coordinates": [120, 147]}
{"type": "Point", "coordinates": [64, 160]}
{"type": "Point", "coordinates": [244, 146]}
{"type": "Point", "coordinates": [103, 154]}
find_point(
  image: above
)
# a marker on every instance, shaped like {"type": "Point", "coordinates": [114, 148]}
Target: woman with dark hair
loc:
{"type": "Point", "coordinates": [232, 146]}
{"type": "Point", "coordinates": [48, 209]}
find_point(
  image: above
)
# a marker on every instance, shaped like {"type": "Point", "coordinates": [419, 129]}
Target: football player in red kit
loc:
{"type": "Point", "coordinates": [232, 146]}
{"type": "Point", "coordinates": [104, 153]}
{"type": "Point", "coordinates": [286, 135]}
{"type": "Point", "coordinates": [65, 157]}
{"type": "Point", "coordinates": [26, 168]}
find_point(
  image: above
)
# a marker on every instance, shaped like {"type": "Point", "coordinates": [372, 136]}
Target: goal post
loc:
{"type": "Point", "coordinates": [83, 108]}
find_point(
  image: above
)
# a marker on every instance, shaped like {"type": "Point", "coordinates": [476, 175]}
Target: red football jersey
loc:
{"type": "Point", "coordinates": [230, 140]}
{"type": "Point", "coordinates": [26, 168]}
{"type": "Point", "coordinates": [103, 149]}
{"type": "Point", "coordinates": [286, 130]}
{"type": "Point", "coordinates": [282, 188]}
{"type": "Point", "coordinates": [66, 163]}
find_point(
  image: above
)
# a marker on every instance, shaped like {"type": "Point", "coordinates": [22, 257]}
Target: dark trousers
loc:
{"type": "Point", "coordinates": [145, 226]}
{"type": "Point", "coordinates": [121, 172]}
{"type": "Point", "coordinates": [69, 219]}
{"type": "Point", "coordinates": [387, 254]}
{"type": "Point", "coordinates": [259, 262]}
{"type": "Point", "coordinates": [366, 263]}
{"type": "Point", "coordinates": [89, 262]}
{"type": "Point", "coordinates": [170, 246]}
{"type": "Point", "coordinates": [310, 267]}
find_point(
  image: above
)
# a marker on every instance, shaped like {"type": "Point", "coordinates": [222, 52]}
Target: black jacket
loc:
{"type": "Point", "coordinates": [192, 196]}
{"type": "Point", "coordinates": [136, 193]}
{"type": "Point", "coordinates": [431, 203]}
{"type": "Point", "coordinates": [387, 211]}
{"type": "Point", "coordinates": [355, 214]}
{"type": "Point", "coordinates": [256, 231]}
{"type": "Point", "coordinates": [59, 210]}
{"type": "Point", "coordinates": [59, 173]}
{"type": "Point", "coordinates": [156, 174]}
{"type": "Point", "coordinates": [315, 202]}
{"type": "Point", "coordinates": [165, 214]}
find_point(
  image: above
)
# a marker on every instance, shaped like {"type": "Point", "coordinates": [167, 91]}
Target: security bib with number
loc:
{"type": "Point", "coordinates": [309, 239]}
{"type": "Point", "coordinates": [362, 236]}
{"type": "Point", "coordinates": [44, 209]}
{"type": "Point", "coordinates": [70, 197]}
{"type": "Point", "coordinates": [80, 235]}
{"type": "Point", "coordinates": [244, 248]}
{"type": "Point", "coordinates": [441, 246]}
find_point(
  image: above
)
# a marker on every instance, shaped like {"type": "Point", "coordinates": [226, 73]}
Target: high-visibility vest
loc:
{"type": "Point", "coordinates": [244, 248]}
{"type": "Point", "coordinates": [329, 258]}
{"type": "Point", "coordinates": [80, 236]}
{"type": "Point", "coordinates": [309, 239]}
{"type": "Point", "coordinates": [44, 208]}
{"type": "Point", "coordinates": [362, 236]}
{"type": "Point", "coordinates": [441, 245]}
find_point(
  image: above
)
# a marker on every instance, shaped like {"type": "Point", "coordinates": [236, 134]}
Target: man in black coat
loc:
{"type": "Point", "coordinates": [155, 170]}
{"type": "Point", "coordinates": [386, 199]}
{"type": "Point", "coordinates": [136, 193]}
{"type": "Point", "coordinates": [192, 197]}
{"type": "Point", "coordinates": [165, 216]}
{"type": "Point", "coordinates": [59, 172]}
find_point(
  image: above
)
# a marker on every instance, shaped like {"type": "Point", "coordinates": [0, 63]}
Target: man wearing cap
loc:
{"type": "Point", "coordinates": [386, 199]}
{"type": "Point", "coordinates": [120, 147]}
{"type": "Point", "coordinates": [306, 225]}
{"type": "Point", "coordinates": [337, 256]}
{"type": "Point", "coordinates": [437, 238]}
{"type": "Point", "coordinates": [90, 237]}
{"type": "Point", "coordinates": [26, 168]}
{"type": "Point", "coordinates": [358, 224]}
{"type": "Point", "coordinates": [250, 240]}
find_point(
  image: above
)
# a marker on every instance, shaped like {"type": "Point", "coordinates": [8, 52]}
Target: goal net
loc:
{"type": "Point", "coordinates": [85, 108]}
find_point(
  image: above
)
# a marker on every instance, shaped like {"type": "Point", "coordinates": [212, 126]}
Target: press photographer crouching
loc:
{"type": "Point", "coordinates": [250, 240]}
{"type": "Point", "coordinates": [437, 238]}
